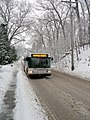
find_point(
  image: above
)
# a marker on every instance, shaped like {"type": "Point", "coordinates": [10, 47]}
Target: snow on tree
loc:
{"type": "Point", "coordinates": [7, 53]}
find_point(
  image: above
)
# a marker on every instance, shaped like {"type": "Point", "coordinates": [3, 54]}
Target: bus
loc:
{"type": "Point", "coordinates": [38, 64]}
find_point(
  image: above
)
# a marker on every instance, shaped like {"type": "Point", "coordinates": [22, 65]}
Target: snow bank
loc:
{"type": "Point", "coordinates": [82, 66]}
{"type": "Point", "coordinates": [27, 104]}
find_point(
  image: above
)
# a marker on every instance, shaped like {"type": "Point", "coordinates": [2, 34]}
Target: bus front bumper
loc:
{"type": "Point", "coordinates": [31, 73]}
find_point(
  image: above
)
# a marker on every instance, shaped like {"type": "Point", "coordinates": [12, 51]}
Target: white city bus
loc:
{"type": "Point", "coordinates": [38, 64]}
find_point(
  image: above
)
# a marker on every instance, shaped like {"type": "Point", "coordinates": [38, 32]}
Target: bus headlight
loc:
{"type": "Point", "coordinates": [49, 71]}
{"type": "Point", "coordinates": [30, 72]}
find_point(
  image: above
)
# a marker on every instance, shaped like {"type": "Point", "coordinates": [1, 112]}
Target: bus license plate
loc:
{"type": "Point", "coordinates": [40, 71]}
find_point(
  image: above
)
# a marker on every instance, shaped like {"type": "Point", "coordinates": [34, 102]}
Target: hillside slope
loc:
{"type": "Point", "coordinates": [82, 66]}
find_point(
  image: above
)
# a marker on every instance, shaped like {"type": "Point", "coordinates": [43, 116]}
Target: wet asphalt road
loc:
{"type": "Point", "coordinates": [64, 97]}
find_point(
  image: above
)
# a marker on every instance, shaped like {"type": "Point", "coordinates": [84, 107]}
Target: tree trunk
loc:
{"type": "Point", "coordinates": [87, 5]}
{"type": "Point", "coordinates": [79, 23]}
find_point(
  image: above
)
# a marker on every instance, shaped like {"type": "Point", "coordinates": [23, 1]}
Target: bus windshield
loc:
{"type": "Point", "coordinates": [39, 63]}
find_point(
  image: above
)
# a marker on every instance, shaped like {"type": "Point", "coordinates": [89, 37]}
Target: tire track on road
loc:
{"type": "Point", "coordinates": [61, 104]}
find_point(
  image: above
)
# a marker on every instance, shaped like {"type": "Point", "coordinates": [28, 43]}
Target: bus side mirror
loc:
{"type": "Point", "coordinates": [26, 59]}
{"type": "Point", "coordinates": [51, 58]}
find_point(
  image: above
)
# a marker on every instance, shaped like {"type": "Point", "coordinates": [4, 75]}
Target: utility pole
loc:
{"type": "Point", "coordinates": [72, 41]}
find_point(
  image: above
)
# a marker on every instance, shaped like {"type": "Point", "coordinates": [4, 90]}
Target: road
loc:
{"type": "Point", "coordinates": [66, 97]}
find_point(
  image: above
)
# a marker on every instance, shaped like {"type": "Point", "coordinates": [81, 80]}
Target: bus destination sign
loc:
{"type": "Point", "coordinates": [39, 55]}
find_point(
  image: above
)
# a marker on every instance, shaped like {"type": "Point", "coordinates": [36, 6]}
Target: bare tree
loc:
{"type": "Point", "coordinates": [88, 8]}
{"type": "Point", "coordinates": [52, 5]}
{"type": "Point", "coordinates": [79, 22]}
{"type": "Point", "coordinates": [56, 26]}
{"type": "Point", "coordinates": [38, 34]}
{"type": "Point", "coordinates": [16, 17]}
{"type": "Point", "coordinates": [83, 21]}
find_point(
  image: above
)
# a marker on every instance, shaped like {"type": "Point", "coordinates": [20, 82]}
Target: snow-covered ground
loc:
{"type": "Point", "coordinates": [27, 103]}
{"type": "Point", "coordinates": [6, 75]}
{"type": "Point", "coordinates": [82, 66]}
{"type": "Point", "coordinates": [28, 106]}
